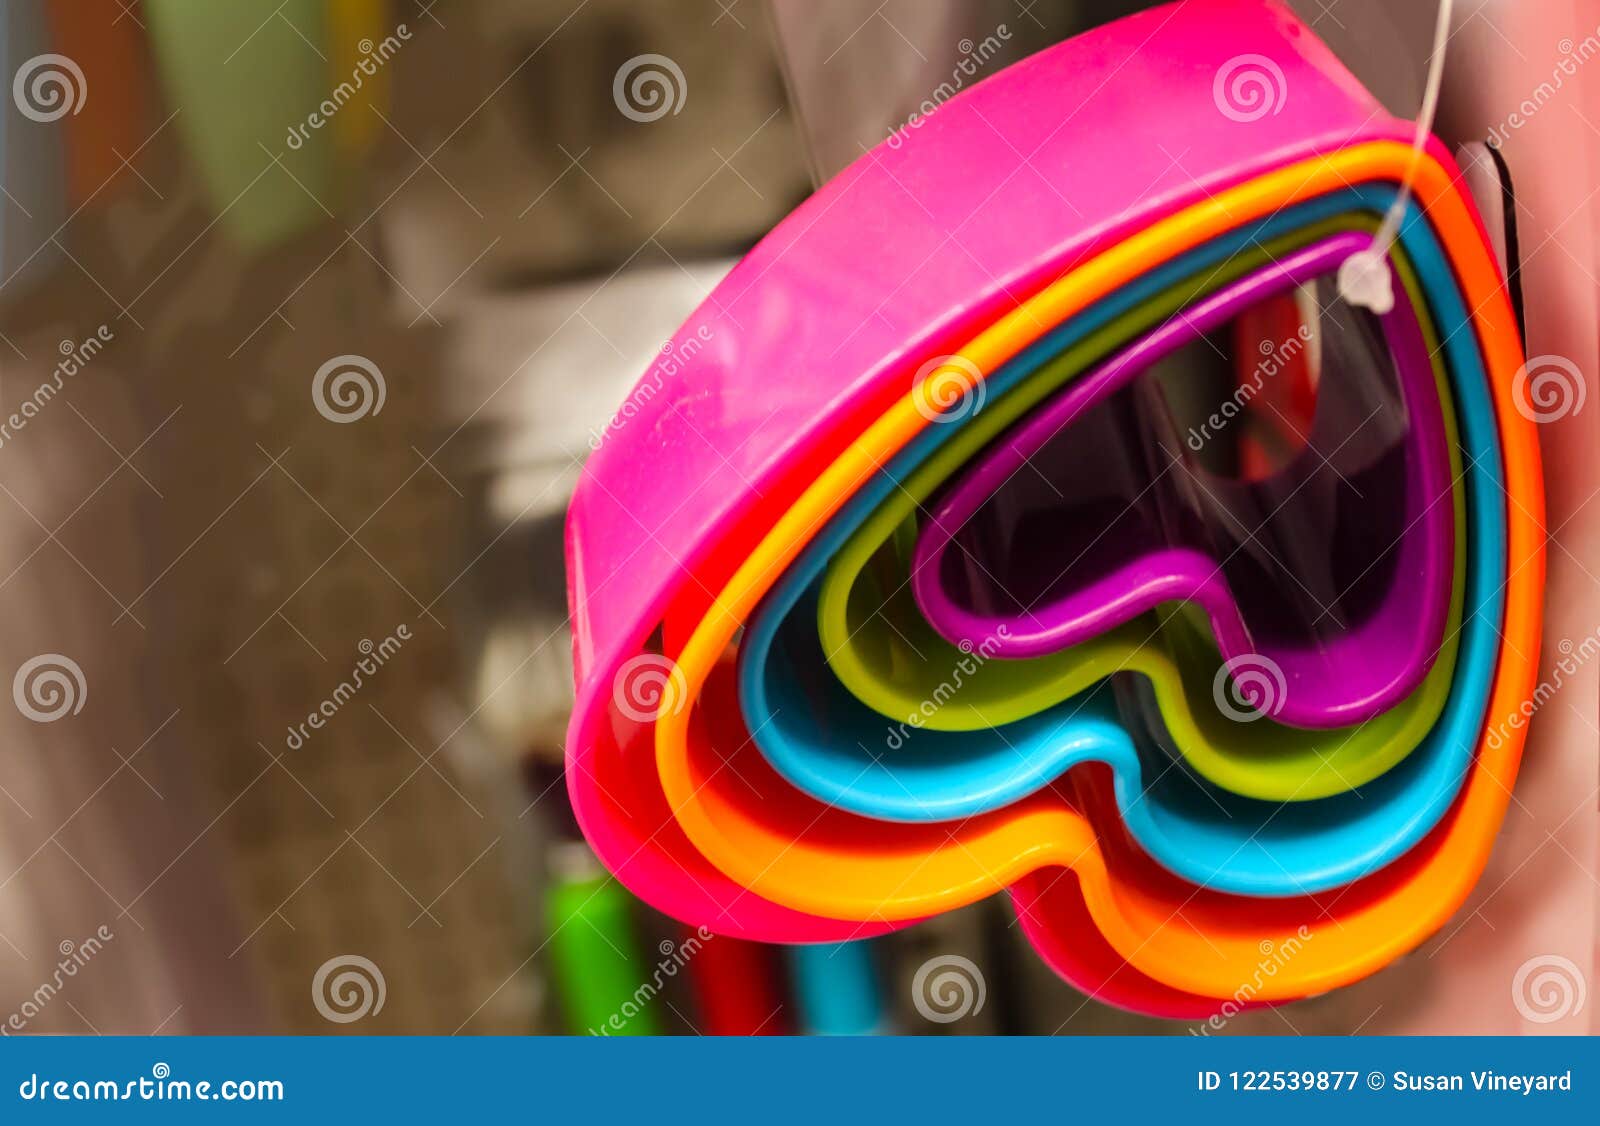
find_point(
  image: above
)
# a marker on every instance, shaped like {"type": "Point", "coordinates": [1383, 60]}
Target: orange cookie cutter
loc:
{"type": "Point", "coordinates": [1184, 937]}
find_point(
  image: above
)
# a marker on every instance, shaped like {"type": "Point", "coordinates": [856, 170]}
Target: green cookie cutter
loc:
{"type": "Point", "coordinates": [890, 658]}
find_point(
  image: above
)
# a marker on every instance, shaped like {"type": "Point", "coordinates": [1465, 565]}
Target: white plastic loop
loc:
{"type": "Point", "coordinates": [1364, 278]}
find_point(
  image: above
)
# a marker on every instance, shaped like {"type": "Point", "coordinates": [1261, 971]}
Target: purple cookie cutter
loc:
{"type": "Point", "coordinates": [1334, 573]}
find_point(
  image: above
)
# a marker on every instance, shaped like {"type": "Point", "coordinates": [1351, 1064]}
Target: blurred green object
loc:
{"type": "Point", "coordinates": [265, 93]}
{"type": "Point", "coordinates": [599, 979]}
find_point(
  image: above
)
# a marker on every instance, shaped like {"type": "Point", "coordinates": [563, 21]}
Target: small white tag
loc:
{"type": "Point", "coordinates": [1365, 282]}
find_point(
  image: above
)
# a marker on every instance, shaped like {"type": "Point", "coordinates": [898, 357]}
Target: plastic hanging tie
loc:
{"type": "Point", "coordinates": [1364, 278]}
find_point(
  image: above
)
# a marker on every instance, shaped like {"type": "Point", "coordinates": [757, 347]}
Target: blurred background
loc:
{"type": "Point", "coordinates": [311, 311]}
